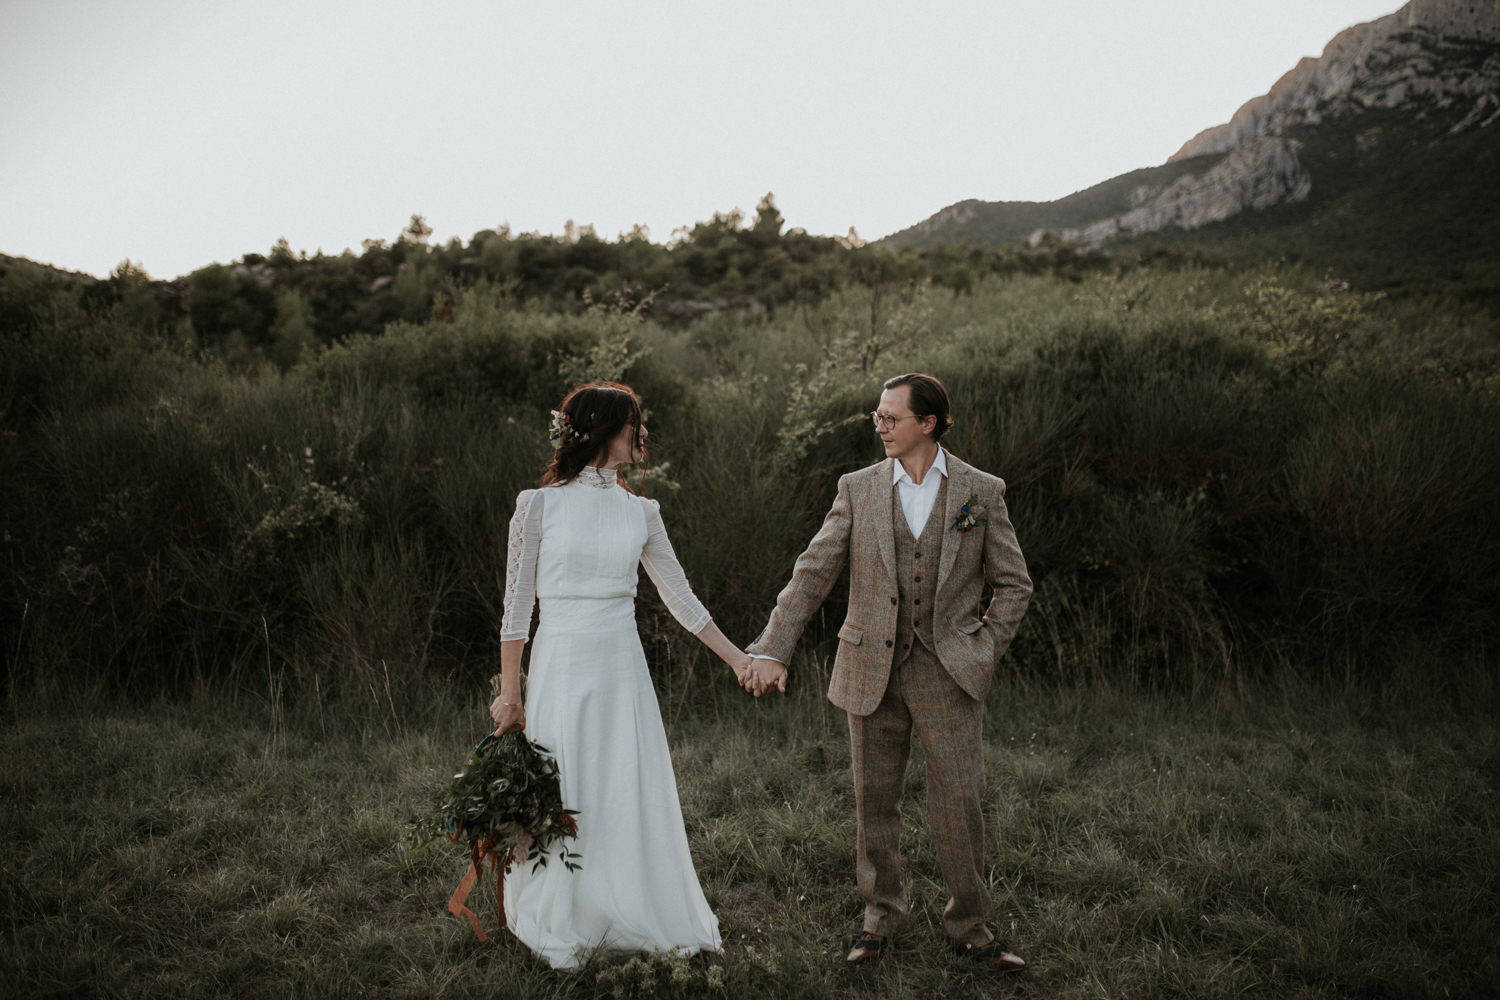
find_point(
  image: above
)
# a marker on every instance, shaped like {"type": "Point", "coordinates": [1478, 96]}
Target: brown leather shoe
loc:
{"type": "Point", "coordinates": [867, 949]}
{"type": "Point", "coordinates": [996, 955]}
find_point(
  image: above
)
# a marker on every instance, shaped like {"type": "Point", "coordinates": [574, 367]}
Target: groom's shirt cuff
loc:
{"type": "Point", "coordinates": [762, 656]}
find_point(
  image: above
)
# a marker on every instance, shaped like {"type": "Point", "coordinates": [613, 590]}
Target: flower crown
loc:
{"type": "Point", "coordinates": [562, 430]}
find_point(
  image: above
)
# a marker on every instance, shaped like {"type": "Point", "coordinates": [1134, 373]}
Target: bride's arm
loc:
{"type": "Point", "coordinates": [738, 660]}
{"type": "Point", "coordinates": [507, 710]}
{"type": "Point", "coordinates": [666, 572]}
{"type": "Point", "coordinates": [520, 597]}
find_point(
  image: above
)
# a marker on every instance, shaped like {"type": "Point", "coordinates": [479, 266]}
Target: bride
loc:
{"type": "Point", "coordinates": [574, 546]}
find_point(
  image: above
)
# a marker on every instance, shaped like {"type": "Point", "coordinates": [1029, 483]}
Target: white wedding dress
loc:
{"type": "Point", "coordinates": [589, 700]}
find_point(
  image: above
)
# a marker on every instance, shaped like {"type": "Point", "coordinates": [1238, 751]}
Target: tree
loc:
{"type": "Point", "coordinates": [768, 221]}
{"type": "Point", "coordinates": [292, 336]}
{"type": "Point", "coordinates": [416, 231]}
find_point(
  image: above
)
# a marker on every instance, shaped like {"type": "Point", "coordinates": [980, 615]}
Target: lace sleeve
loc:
{"type": "Point", "coordinates": [666, 572]}
{"type": "Point", "coordinates": [520, 566]}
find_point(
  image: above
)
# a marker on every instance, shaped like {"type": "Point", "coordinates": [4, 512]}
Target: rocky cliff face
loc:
{"type": "Point", "coordinates": [1429, 54]}
{"type": "Point", "coordinates": [1426, 79]}
{"type": "Point", "coordinates": [1258, 173]}
{"type": "Point", "coordinates": [1439, 51]}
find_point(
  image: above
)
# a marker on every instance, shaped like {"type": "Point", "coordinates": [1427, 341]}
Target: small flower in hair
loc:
{"type": "Point", "coordinates": [562, 430]}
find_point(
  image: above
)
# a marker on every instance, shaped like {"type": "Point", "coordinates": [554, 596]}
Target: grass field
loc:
{"type": "Point", "coordinates": [1285, 840]}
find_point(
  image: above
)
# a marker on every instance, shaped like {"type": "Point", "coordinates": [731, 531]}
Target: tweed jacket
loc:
{"type": "Point", "coordinates": [858, 532]}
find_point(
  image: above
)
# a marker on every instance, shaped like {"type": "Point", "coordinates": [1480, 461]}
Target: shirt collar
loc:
{"type": "Point", "coordinates": [939, 465]}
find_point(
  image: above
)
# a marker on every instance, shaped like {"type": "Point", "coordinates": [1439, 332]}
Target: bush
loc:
{"type": "Point", "coordinates": [1202, 475]}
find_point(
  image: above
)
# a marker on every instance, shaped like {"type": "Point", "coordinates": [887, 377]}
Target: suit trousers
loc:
{"type": "Point", "coordinates": [921, 695]}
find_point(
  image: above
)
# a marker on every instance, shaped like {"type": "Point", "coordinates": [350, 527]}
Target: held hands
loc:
{"type": "Point", "coordinates": [754, 675]}
{"type": "Point", "coordinates": [740, 664]}
{"type": "Point", "coordinates": [762, 675]}
{"type": "Point", "coordinates": [758, 675]}
{"type": "Point", "coordinates": [509, 716]}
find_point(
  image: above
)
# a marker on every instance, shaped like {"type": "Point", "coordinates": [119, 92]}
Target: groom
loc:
{"type": "Point", "coordinates": [921, 533]}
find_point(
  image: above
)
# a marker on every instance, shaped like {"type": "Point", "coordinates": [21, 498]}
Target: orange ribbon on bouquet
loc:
{"type": "Point", "coordinates": [478, 851]}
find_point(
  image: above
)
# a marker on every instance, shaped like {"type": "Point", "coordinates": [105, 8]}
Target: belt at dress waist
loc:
{"type": "Point", "coordinates": [586, 614]}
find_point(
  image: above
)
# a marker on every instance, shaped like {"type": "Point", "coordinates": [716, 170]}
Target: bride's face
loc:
{"type": "Point", "coordinates": [628, 446]}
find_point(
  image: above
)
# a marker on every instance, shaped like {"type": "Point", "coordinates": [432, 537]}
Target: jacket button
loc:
{"type": "Point", "coordinates": [893, 600]}
{"type": "Point", "coordinates": [917, 601]}
{"type": "Point", "coordinates": [919, 579]}
{"type": "Point", "coordinates": [907, 646]}
{"type": "Point", "coordinates": [919, 555]}
{"type": "Point", "coordinates": [889, 644]}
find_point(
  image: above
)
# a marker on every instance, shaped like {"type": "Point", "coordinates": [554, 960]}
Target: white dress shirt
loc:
{"type": "Point", "coordinates": [917, 501]}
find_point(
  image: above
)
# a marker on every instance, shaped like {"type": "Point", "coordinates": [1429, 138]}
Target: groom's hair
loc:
{"type": "Point", "coordinates": [928, 398]}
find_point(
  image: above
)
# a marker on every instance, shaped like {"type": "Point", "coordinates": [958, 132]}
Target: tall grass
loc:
{"type": "Point", "coordinates": [1209, 471]}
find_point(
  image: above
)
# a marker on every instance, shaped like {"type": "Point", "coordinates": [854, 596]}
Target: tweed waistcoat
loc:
{"type": "Point", "coordinates": [917, 571]}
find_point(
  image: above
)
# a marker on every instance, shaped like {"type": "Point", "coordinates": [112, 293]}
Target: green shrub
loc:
{"type": "Point", "coordinates": [1202, 473]}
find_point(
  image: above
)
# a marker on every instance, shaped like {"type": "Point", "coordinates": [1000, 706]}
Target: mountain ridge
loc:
{"type": "Point", "coordinates": [1386, 63]}
{"type": "Point", "coordinates": [1418, 80]}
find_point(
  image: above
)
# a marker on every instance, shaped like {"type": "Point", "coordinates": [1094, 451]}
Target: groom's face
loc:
{"type": "Point", "coordinates": [907, 435]}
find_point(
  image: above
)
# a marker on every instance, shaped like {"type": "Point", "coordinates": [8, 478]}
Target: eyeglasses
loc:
{"type": "Point", "coordinates": [884, 421]}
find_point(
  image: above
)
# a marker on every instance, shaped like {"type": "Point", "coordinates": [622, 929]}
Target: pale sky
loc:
{"type": "Point", "coordinates": [180, 132]}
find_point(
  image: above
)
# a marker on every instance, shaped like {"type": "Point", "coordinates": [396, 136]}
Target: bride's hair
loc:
{"type": "Point", "coordinates": [596, 412]}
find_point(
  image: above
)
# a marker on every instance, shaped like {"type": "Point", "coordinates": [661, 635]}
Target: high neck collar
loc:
{"type": "Point", "coordinates": [596, 477]}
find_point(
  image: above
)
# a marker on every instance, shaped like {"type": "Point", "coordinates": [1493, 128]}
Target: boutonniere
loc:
{"type": "Point", "coordinates": [970, 515]}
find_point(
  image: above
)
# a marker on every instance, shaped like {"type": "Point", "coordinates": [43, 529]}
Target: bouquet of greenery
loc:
{"type": "Point", "coordinates": [506, 802]}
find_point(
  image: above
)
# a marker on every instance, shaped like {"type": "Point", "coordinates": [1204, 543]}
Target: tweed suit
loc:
{"type": "Point", "coordinates": [936, 688]}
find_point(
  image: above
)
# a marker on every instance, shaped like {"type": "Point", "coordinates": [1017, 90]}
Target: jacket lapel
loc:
{"type": "Point", "coordinates": [884, 510]}
{"type": "Point", "coordinates": [958, 495]}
